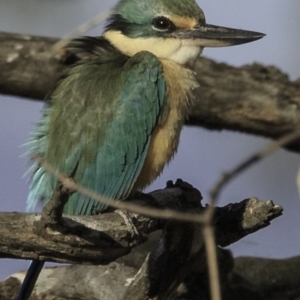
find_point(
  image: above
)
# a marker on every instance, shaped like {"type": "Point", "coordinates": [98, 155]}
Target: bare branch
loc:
{"type": "Point", "coordinates": [28, 67]}
{"type": "Point", "coordinates": [247, 163]}
{"type": "Point", "coordinates": [125, 205]}
{"type": "Point", "coordinates": [250, 278]}
{"type": "Point", "coordinates": [254, 99]}
{"type": "Point", "coordinates": [101, 239]}
{"type": "Point", "coordinates": [81, 30]}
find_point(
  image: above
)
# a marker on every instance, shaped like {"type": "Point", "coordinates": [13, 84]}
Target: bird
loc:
{"type": "Point", "coordinates": [114, 118]}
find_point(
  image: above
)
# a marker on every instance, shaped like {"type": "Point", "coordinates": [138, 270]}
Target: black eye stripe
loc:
{"type": "Point", "coordinates": [163, 24]}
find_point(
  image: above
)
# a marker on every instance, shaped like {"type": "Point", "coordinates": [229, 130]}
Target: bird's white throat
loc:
{"type": "Point", "coordinates": [180, 51]}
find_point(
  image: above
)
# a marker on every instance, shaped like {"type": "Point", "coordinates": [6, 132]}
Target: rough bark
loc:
{"type": "Point", "coordinates": [253, 98]}
{"type": "Point", "coordinates": [101, 239]}
{"type": "Point", "coordinates": [176, 256]}
{"type": "Point", "coordinates": [27, 64]}
{"type": "Point", "coordinates": [252, 278]}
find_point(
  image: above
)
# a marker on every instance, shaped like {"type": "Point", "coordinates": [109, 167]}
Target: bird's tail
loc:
{"type": "Point", "coordinates": [30, 279]}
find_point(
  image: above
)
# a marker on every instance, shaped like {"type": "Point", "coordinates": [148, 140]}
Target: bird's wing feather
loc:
{"type": "Point", "coordinates": [98, 129]}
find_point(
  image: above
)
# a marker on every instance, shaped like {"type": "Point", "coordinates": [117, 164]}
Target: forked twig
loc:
{"type": "Point", "coordinates": [255, 158]}
{"type": "Point", "coordinates": [81, 29]}
{"type": "Point", "coordinates": [131, 207]}
{"type": "Point", "coordinates": [208, 230]}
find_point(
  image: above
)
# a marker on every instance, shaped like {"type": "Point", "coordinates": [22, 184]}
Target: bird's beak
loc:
{"type": "Point", "coordinates": [216, 36]}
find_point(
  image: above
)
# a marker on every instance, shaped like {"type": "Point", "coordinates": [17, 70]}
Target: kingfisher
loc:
{"type": "Point", "coordinates": [114, 118]}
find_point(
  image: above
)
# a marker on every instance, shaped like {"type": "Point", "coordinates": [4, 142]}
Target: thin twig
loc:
{"type": "Point", "coordinates": [298, 181]}
{"type": "Point", "coordinates": [146, 211]}
{"type": "Point", "coordinates": [208, 231]}
{"type": "Point", "coordinates": [81, 30]}
{"type": "Point", "coordinates": [171, 214]}
{"type": "Point", "coordinates": [212, 262]}
{"type": "Point", "coordinates": [210, 246]}
{"type": "Point", "coordinates": [228, 176]}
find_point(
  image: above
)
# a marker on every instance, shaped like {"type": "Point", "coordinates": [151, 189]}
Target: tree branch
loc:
{"type": "Point", "coordinates": [254, 98]}
{"type": "Point", "coordinates": [103, 238]}
{"type": "Point", "coordinates": [248, 278]}
{"type": "Point", "coordinates": [28, 65]}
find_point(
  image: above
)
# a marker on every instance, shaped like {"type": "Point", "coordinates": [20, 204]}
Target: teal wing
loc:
{"type": "Point", "coordinates": [98, 129]}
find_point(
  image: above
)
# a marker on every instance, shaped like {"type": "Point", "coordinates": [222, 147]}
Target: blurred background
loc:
{"type": "Point", "coordinates": [203, 155]}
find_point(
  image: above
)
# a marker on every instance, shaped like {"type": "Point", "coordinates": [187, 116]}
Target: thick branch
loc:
{"type": "Point", "coordinates": [94, 246]}
{"type": "Point", "coordinates": [251, 278]}
{"type": "Point", "coordinates": [102, 239]}
{"type": "Point", "coordinates": [235, 221]}
{"type": "Point", "coordinates": [254, 99]}
{"type": "Point", "coordinates": [180, 255]}
{"type": "Point", "coordinates": [28, 65]}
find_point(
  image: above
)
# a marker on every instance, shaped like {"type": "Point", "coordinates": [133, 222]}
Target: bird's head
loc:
{"type": "Point", "coordinates": [173, 29]}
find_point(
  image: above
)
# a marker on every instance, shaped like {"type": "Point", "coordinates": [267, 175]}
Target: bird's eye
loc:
{"type": "Point", "coordinates": [163, 24]}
